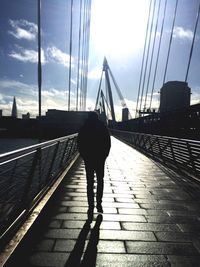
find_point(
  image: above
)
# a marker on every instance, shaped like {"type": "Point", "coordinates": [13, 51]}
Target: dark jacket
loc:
{"type": "Point", "coordinates": [94, 140]}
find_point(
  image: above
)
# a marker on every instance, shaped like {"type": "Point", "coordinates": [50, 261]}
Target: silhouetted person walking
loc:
{"type": "Point", "coordinates": [94, 146]}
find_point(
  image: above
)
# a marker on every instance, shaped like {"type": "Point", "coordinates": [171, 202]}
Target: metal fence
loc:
{"type": "Point", "coordinates": [181, 154]}
{"type": "Point", "coordinates": [26, 174]}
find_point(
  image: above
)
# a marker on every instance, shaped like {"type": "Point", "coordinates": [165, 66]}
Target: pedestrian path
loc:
{"type": "Point", "coordinates": [149, 219]}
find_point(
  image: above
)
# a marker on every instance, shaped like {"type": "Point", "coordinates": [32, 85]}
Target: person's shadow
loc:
{"type": "Point", "coordinates": [90, 255]}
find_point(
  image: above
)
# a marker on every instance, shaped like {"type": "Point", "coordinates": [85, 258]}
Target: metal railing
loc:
{"type": "Point", "coordinates": [180, 154]}
{"type": "Point", "coordinates": [25, 176]}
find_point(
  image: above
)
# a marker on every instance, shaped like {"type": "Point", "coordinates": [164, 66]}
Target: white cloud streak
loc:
{"type": "Point", "coordinates": [23, 29]}
{"type": "Point", "coordinates": [56, 55]}
{"type": "Point", "coordinates": [181, 33]}
{"type": "Point", "coordinates": [26, 55]}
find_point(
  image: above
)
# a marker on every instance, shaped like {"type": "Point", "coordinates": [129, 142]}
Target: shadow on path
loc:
{"type": "Point", "coordinates": [90, 255]}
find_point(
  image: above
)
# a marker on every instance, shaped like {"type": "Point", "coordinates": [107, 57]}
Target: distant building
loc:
{"type": "Point", "coordinates": [174, 95]}
{"type": "Point", "coordinates": [125, 114]}
{"type": "Point", "coordinates": [60, 122]}
{"type": "Point", "coordinates": [26, 116]}
{"type": "Point", "coordinates": [14, 109]}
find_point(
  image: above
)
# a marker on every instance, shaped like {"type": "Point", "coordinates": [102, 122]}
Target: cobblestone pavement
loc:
{"type": "Point", "coordinates": [149, 219]}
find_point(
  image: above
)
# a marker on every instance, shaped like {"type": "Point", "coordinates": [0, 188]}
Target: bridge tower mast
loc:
{"type": "Point", "coordinates": [105, 69]}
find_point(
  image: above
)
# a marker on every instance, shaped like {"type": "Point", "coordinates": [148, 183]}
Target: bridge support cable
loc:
{"type": "Point", "coordinates": [109, 93]}
{"type": "Point", "coordinates": [105, 101]}
{"type": "Point", "coordinates": [158, 53]}
{"type": "Point", "coordinates": [83, 57]}
{"type": "Point", "coordinates": [98, 94]}
{"type": "Point", "coordinates": [192, 45]}
{"type": "Point", "coordinates": [147, 56]}
{"type": "Point", "coordinates": [87, 48]}
{"type": "Point", "coordinates": [152, 53]}
{"type": "Point", "coordinates": [79, 49]}
{"type": "Point", "coordinates": [170, 41]}
{"type": "Point", "coordinates": [39, 59]}
{"type": "Point", "coordinates": [85, 52]}
{"type": "Point", "coordinates": [118, 91]}
{"type": "Point", "coordinates": [143, 57]}
{"type": "Point", "coordinates": [70, 55]}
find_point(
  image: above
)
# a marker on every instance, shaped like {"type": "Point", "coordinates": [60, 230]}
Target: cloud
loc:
{"type": "Point", "coordinates": [56, 55]}
{"type": "Point", "coordinates": [51, 54]}
{"type": "Point", "coordinates": [27, 98]}
{"type": "Point", "coordinates": [26, 55]}
{"type": "Point", "coordinates": [95, 74]}
{"type": "Point", "coordinates": [195, 97]}
{"type": "Point", "coordinates": [181, 33]}
{"type": "Point", "coordinates": [17, 86]}
{"type": "Point", "coordinates": [23, 29]}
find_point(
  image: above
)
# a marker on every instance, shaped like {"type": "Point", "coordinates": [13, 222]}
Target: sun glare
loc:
{"type": "Point", "coordinates": [118, 26]}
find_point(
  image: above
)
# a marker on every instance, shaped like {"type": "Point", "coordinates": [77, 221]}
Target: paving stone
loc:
{"type": "Point", "coordinates": [127, 260]}
{"type": "Point", "coordinates": [160, 248]}
{"type": "Point", "coordinates": [45, 245]}
{"type": "Point", "coordinates": [64, 245]}
{"type": "Point", "coordinates": [73, 224]}
{"type": "Point", "coordinates": [111, 247]}
{"type": "Point", "coordinates": [126, 235]}
{"type": "Point", "coordinates": [55, 224]}
{"type": "Point", "coordinates": [125, 200]}
{"type": "Point", "coordinates": [49, 259]}
{"type": "Point", "coordinates": [164, 206]}
{"type": "Point", "coordinates": [132, 211]}
{"type": "Point", "coordinates": [170, 219]}
{"type": "Point", "coordinates": [192, 228]}
{"type": "Point", "coordinates": [110, 225]}
{"type": "Point", "coordinates": [157, 212]}
{"type": "Point", "coordinates": [105, 199]}
{"type": "Point", "coordinates": [173, 236]}
{"type": "Point", "coordinates": [124, 218]}
{"type": "Point", "coordinates": [105, 204]}
{"type": "Point", "coordinates": [70, 216]}
{"type": "Point", "coordinates": [185, 213]}
{"type": "Point", "coordinates": [146, 201]}
{"type": "Point", "coordinates": [184, 261]}
{"type": "Point", "coordinates": [84, 209]}
{"type": "Point", "coordinates": [62, 233]}
{"type": "Point", "coordinates": [150, 227]}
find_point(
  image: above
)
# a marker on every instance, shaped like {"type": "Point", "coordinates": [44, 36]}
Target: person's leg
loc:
{"type": "Point", "coordinates": [90, 184]}
{"type": "Point", "coordinates": [100, 184]}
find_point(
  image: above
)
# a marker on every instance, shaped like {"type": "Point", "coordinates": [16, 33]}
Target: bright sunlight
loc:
{"type": "Point", "coordinates": [118, 26]}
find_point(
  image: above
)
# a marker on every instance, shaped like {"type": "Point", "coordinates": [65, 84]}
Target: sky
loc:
{"type": "Point", "coordinates": [117, 31]}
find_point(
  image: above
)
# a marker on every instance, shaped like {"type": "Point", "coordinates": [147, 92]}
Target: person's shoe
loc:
{"type": "Point", "coordinates": [99, 208]}
{"type": "Point", "coordinates": [90, 215]}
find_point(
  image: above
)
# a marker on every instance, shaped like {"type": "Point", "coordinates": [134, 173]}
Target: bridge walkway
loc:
{"type": "Point", "coordinates": [150, 219]}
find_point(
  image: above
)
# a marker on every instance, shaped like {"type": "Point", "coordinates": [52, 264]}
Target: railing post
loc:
{"type": "Point", "coordinates": [64, 151]}
{"type": "Point", "coordinates": [69, 153]}
{"type": "Point", "coordinates": [36, 158]}
{"type": "Point", "coordinates": [72, 151]}
{"type": "Point", "coordinates": [160, 149]}
{"type": "Point", "coordinates": [172, 152]}
{"type": "Point", "coordinates": [52, 161]}
{"type": "Point", "coordinates": [191, 158]}
{"type": "Point", "coordinates": [151, 142]}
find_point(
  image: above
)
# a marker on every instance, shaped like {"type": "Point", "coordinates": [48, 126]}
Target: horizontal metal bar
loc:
{"type": "Point", "coordinates": [183, 153]}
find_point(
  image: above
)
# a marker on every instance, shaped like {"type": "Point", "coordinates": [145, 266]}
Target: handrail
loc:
{"type": "Point", "coordinates": [180, 154]}
{"type": "Point", "coordinates": [35, 146]}
{"type": "Point", "coordinates": [26, 174]}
